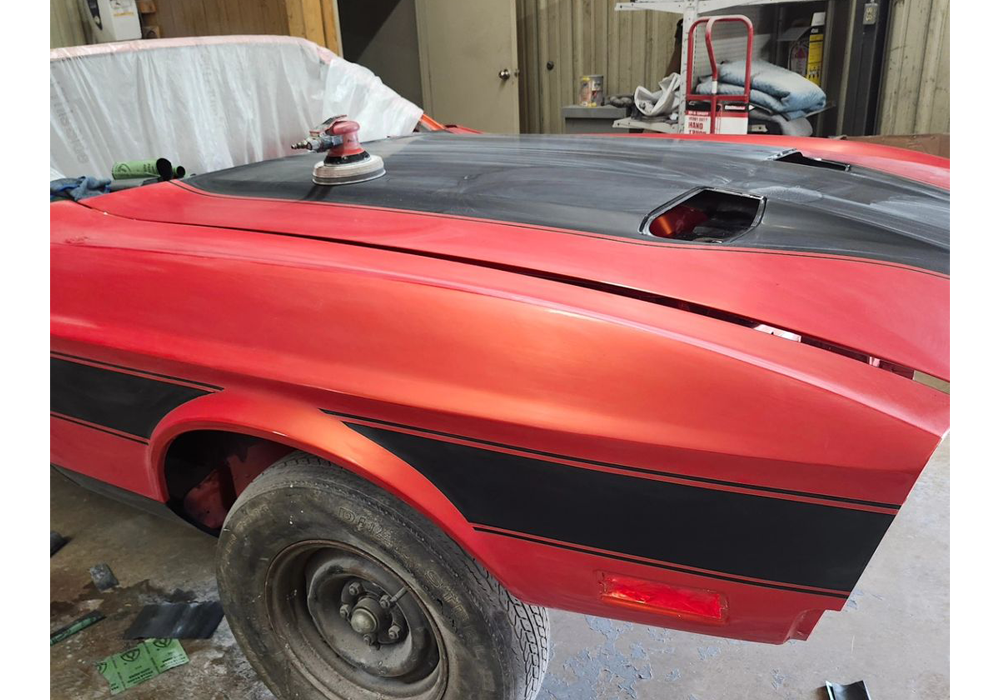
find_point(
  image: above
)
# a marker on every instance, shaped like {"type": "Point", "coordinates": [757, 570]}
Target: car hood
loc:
{"type": "Point", "coordinates": [856, 258]}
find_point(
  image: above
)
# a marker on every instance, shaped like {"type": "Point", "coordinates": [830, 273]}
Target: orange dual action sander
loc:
{"type": "Point", "coordinates": [346, 161]}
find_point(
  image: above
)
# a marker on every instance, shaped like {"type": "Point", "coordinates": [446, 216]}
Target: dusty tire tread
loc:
{"type": "Point", "coordinates": [529, 622]}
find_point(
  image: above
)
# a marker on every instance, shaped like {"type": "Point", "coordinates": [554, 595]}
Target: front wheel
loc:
{"type": "Point", "coordinates": [335, 589]}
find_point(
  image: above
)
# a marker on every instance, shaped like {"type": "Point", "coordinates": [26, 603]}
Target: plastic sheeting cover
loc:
{"type": "Point", "coordinates": [206, 103]}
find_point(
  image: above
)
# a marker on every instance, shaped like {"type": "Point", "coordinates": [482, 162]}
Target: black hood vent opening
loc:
{"type": "Point", "coordinates": [706, 216]}
{"type": "Point", "coordinates": [796, 158]}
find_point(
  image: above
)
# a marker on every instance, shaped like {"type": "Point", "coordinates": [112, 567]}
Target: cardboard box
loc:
{"type": "Point", "coordinates": [933, 144]}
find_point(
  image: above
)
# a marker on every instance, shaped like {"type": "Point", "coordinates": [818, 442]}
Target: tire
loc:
{"type": "Point", "coordinates": [307, 550]}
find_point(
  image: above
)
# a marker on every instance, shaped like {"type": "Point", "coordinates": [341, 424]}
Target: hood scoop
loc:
{"type": "Point", "coordinates": [705, 215]}
{"type": "Point", "coordinates": [796, 158]}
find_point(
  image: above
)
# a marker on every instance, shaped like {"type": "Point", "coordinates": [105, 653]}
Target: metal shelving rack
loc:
{"type": "Point", "coordinates": [691, 10]}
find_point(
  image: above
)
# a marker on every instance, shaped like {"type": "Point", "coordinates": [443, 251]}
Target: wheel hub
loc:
{"type": "Point", "coordinates": [345, 609]}
{"type": "Point", "coordinates": [369, 610]}
{"type": "Point", "coordinates": [363, 621]}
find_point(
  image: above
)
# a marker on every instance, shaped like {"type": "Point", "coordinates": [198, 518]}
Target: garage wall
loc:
{"type": "Point", "coordinates": [382, 35]}
{"type": "Point", "coordinates": [313, 19]}
{"type": "Point", "coordinates": [65, 24]}
{"type": "Point", "coordinates": [582, 37]}
{"type": "Point", "coordinates": [916, 86]}
{"type": "Point", "coordinates": [212, 17]}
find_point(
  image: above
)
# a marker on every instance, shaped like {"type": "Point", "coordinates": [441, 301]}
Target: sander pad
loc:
{"type": "Point", "coordinates": [361, 170]}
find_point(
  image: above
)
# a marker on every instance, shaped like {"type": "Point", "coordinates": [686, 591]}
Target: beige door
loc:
{"type": "Point", "coordinates": [468, 62]}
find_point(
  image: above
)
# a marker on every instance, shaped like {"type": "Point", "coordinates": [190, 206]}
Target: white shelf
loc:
{"type": "Point", "coordinates": [661, 125]}
{"type": "Point", "coordinates": [699, 6]}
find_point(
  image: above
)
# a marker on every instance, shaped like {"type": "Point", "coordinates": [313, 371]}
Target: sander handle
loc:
{"type": "Point", "coordinates": [349, 144]}
{"type": "Point", "coordinates": [337, 135]}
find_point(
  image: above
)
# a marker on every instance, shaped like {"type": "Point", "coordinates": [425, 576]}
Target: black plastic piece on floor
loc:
{"type": "Point", "coordinates": [74, 627]}
{"type": "Point", "coordinates": [853, 691]}
{"type": "Point", "coordinates": [56, 542]}
{"type": "Point", "coordinates": [176, 621]}
{"type": "Point", "coordinates": [103, 577]}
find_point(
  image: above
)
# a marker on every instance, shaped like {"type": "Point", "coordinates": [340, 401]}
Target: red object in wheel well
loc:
{"type": "Point", "coordinates": [225, 462]}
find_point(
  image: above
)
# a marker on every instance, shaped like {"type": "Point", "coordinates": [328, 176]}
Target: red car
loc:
{"type": "Point", "coordinates": [683, 382]}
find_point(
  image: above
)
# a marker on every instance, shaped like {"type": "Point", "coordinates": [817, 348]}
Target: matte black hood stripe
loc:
{"type": "Point", "coordinates": [639, 241]}
{"type": "Point", "coordinates": [760, 537]}
{"type": "Point", "coordinates": [608, 186]}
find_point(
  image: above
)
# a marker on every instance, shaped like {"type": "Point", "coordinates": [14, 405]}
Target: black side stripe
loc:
{"type": "Point", "coordinates": [106, 397]}
{"type": "Point", "coordinates": [103, 430]}
{"type": "Point", "coordinates": [132, 369]}
{"type": "Point", "coordinates": [637, 470]}
{"type": "Point", "coordinates": [658, 565]}
{"type": "Point", "coordinates": [753, 536]}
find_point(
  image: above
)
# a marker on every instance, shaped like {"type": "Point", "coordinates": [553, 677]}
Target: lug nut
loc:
{"type": "Point", "coordinates": [369, 639]}
{"type": "Point", "coordinates": [384, 602]}
{"type": "Point", "coordinates": [345, 611]}
{"type": "Point", "coordinates": [393, 632]}
{"type": "Point", "coordinates": [354, 588]}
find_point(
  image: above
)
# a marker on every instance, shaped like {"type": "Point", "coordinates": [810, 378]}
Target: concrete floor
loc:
{"type": "Point", "coordinates": [893, 632]}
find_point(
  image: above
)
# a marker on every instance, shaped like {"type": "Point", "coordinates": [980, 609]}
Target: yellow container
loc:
{"type": "Point", "coordinates": [814, 67]}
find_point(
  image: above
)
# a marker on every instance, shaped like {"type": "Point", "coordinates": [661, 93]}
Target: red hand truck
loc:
{"type": "Point", "coordinates": [715, 113]}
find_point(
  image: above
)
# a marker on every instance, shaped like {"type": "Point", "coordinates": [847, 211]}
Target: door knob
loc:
{"type": "Point", "coordinates": [504, 74]}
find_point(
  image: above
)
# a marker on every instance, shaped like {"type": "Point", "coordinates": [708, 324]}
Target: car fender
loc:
{"type": "Point", "coordinates": [302, 426]}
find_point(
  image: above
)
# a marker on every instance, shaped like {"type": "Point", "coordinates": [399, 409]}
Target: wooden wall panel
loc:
{"type": "Point", "coordinates": [331, 27]}
{"type": "Point", "coordinates": [315, 20]}
{"type": "Point", "coordinates": [177, 18]}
